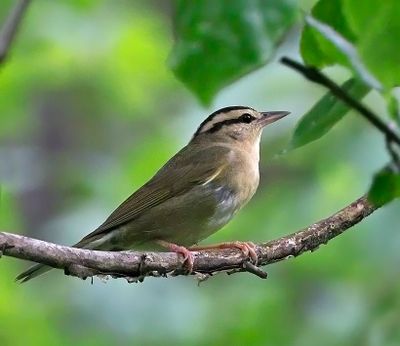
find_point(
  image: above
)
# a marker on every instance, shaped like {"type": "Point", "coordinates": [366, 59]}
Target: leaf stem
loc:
{"type": "Point", "coordinates": [314, 75]}
{"type": "Point", "coordinates": [393, 154]}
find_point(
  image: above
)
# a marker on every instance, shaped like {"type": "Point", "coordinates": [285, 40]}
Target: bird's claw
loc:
{"type": "Point", "coordinates": [188, 258]}
{"type": "Point", "coordinates": [248, 248]}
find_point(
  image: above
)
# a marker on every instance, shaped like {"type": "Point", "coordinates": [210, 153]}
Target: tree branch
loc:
{"type": "Point", "coordinates": [10, 27]}
{"type": "Point", "coordinates": [135, 266]}
{"type": "Point", "coordinates": [318, 77]}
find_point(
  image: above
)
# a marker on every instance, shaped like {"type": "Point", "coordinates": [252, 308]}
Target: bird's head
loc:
{"type": "Point", "coordinates": [236, 123]}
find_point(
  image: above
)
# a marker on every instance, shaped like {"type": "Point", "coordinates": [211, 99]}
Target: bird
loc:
{"type": "Point", "coordinates": [196, 193]}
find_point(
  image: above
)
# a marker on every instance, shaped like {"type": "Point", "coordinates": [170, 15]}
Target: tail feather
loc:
{"type": "Point", "coordinates": [32, 272]}
{"type": "Point", "coordinates": [39, 269]}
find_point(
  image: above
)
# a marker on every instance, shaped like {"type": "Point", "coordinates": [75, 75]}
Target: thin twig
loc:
{"type": "Point", "coordinates": [252, 268]}
{"type": "Point", "coordinates": [316, 76]}
{"type": "Point", "coordinates": [10, 27]}
{"type": "Point", "coordinates": [138, 265]}
{"type": "Point", "coordinates": [393, 154]}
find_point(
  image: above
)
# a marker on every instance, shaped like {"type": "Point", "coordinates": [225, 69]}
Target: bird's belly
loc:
{"type": "Point", "coordinates": [184, 221]}
{"type": "Point", "coordinates": [208, 209]}
{"type": "Point", "coordinates": [225, 209]}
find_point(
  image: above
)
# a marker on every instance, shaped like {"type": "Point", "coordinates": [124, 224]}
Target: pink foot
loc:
{"type": "Point", "coordinates": [248, 248]}
{"type": "Point", "coordinates": [188, 258]}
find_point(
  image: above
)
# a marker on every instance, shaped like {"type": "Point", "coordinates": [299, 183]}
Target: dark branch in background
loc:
{"type": "Point", "coordinates": [135, 266]}
{"type": "Point", "coordinates": [393, 154]}
{"type": "Point", "coordinates": [10, 27]}
{"type": "Point", "coordinates": [316, 76]}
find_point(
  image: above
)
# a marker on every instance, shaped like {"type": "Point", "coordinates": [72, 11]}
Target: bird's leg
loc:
{"type": "Point", "coordinates": [188, 257]}
{"type": "Point", "coordinates": [248, 248]}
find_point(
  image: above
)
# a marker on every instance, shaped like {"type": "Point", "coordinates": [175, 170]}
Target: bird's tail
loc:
{"type": "Point", "coordinates": [32, 272]}
{"type": "Point", "coordinates": [39, 269]}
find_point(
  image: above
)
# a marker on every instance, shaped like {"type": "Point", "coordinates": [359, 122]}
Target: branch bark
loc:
{"type": "Point", "coordinates": [135, 266]}
{"type": "Point", "coordinates": [10, 27]}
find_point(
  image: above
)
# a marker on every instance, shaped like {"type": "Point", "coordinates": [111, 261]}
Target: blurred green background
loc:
{"type": "Point", "coordinates": [89, 110]}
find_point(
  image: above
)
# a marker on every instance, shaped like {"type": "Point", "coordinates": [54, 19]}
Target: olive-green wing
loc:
{"type": "Point", "coordinates": [179, 175]}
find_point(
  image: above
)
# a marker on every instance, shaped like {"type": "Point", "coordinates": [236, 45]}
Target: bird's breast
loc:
{"type": "Point", "coordinates": [243, 174]}
{"type": "Point", "coordinates": [230, 198]}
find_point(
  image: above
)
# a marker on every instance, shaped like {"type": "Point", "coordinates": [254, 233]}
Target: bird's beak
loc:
{"type": "Point", "coordinates": [271, 117]}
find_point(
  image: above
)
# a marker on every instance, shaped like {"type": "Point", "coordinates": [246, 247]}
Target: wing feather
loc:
{"type": "Point", "coordinates": [177, 176]}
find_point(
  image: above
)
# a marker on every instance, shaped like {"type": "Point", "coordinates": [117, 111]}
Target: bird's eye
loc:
{"type": "Point", "coordinates": [246, 118]}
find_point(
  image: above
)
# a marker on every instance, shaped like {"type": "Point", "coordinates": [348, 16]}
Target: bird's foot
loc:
{"type": "Point", "coordinates": [188, 258]}
{"type": "Point", "coordinates": [248, 248]}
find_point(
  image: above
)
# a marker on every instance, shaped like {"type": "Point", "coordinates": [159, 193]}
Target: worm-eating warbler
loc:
{"type": "Point", "coordinates": [193, 195]}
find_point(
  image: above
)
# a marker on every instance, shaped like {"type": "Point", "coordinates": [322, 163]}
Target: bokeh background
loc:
{"type": "Point", "coordinates": [89, 110]}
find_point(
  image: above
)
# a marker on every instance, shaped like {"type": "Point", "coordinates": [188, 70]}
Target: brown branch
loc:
{"type": "Point", "coordinates": [136, 266]}
{"type": "Point", "coordinates": [10, 27]}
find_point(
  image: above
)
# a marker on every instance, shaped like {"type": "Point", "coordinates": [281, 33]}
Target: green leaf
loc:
{"type": "Point", "coordinates": [379, 44]}
{"type": "Point", "coordinates": [346, 49]}
{"type": "Point", "coordinates": [220, 41]}
{"type": "Point", "coordinates": [393, 107]}
{"type": "Point", "coordinates": [325, 114]}
{"type": "Point", "coordinates": [315, 49]}
{"type": "Point", "coordinates": [385, 187]}
{"type": "Point", "coordinates": [363, 35]}
{"type": "Point", "coordinates": [358, 14]}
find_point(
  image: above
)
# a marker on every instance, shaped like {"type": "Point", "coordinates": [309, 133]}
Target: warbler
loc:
{"type": "Point", "coordinates": [193, 195]}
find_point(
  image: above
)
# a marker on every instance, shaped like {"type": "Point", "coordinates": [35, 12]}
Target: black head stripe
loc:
{"type": "Point", "coordinates": [213, 115]}
{"type": "Point", "coordinates": [244, 119]}
{"type": "Point", "coordinates": [218, 126]}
